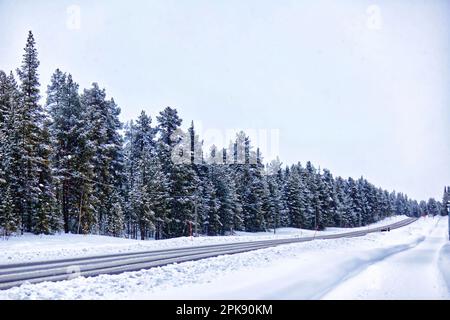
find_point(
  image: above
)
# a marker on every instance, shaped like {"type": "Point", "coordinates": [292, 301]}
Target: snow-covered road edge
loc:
{"type": "Point", "coordinates": [444, 264]}
{"type": "Point", "coordinates": [33, 248]}
{"type": "Point", "coordinates": [354, 266]}
{"type": "Point", "coordinates": [189, 273]}
{"type": "Point", "coordinates": [295, 271]}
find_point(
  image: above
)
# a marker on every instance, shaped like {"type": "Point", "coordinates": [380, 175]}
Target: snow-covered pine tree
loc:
{"type": "Point", "coordinates": [263, 188]}
{"type": "Point", "coordinates": [392, 202]}
{"type": "Point", "coordinates": [312, 201]}
{"type": "Point", "coordinates": [129, 175]}
{"type": "Point", "coordinates": [401, 204]}
{"type": "Point", "coordinates": [275, 188]}
{"type": "Point", "coordinates": [182, 179]}
{"type": "Point", "coordinates": [295, 198]}
{"type": "Point", "coordinates": [31, 116]}
{"type": "Point", "coordinates": [379, 213]}
{"type": "Point", "coordinates": [370, 206]}
{"type": "Point", "coordinates": [229, 210]}
{"type": "Point", "coordinates": [356, 206]}
{"type": "Point", "coordinates": [239, 173]}
{"type": "Point", "coordinates": [158, 185]}
{"type": "Point", "coordinates": [285, 215]}
{"type": "Point", "coordinates": [102, 127]}
{"type": "Point", "coordinates": [362, 202]}
{"type": "Point", "coordinates": [237, 220]}
{"type": "Point", "coordinates": [11, 160]}
{"type": "Point", "coordinates": [414, 208]}
{"type": "Point", "coordinates": [47, 219]}
{"type": "Point", "coordinates": [329, 201]}
{"type": "Point", "coordinates": [344, 215]}
{"type": "Point", "coordinates": [5, 106]}
{"type": "Point", "coordinates": [7, 103]}
{"type": "Point", "coordinates": [423, 207]}
{"type": "Point", "coordinates": [208, 208]}
{"type": "Point", "coordinates": [3, 116]}
{"type": "Point", "coordinates": [115, 222]}
{"type": "Point", "coordinates": [69, 144]}
{"type": "Point", "coordinates": [433, 207]}
{"type": "Point", "coordinates": [319, 197]}
{"type": "Point", "coordinates": [185, 196]}
{"type": "Point", "coordinates": [146, 183]}
{"type": "Point", "coordinates": [251, 186]}
{"type": "Point", "coordinates": [385, 204]}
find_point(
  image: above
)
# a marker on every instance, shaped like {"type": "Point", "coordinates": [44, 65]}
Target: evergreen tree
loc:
{"type": "Point", "coordinates": [251, 185]}
{"type": "Point", "coordinates": [11, 194]}
{"type": "Point", "coordinates": [433, 207]}
{"type": "Point", "coordinates": [182, 179]}
{"type": "Point", "coordinates": [423, 210]}
{"type": "Point", "coordinates": [283, 177]}
{"type": "Point", "coordinates": [312, 187]}
{"type": "Point", "coordinates": [47, 219]}
{"type": "Point", "coordinates": [329, 198]}
{"type": "Point", "coordinates": [296, 200]}
{"type": "Point", "coordinates": [414, 209]}
{"type": "Point", "coordinates": [115, 223]}
{"type": "Point", "coordinates": [229, 209]}
{"type": "Point", "coordinates": [30, 117]}
{"type": "Point", "coordinates": [275, 189]}
{"type": "Point", "coordinates": [343, 216]}
{"type": "Point", "coordinates": [102, 124]}
{"type": "Point", "coordinates": [146, 183]}
{"type": "Point", "coordinates": [208, 208]}
{"type": "Point", "coordinates": [69, 145]}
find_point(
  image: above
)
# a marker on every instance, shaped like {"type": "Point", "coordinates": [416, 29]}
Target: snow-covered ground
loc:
{"type": "Point", "coordinates": [412, 274]}
{"type": "Point", "coordinates": [30, 247]}
{"type": "Point", "coordinates": [403, 263]}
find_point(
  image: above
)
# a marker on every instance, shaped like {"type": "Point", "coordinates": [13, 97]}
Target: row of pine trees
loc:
{"type": "Point", "coordinates": [70, 165]}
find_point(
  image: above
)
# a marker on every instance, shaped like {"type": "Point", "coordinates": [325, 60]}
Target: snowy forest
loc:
{"type": "Point", "coordinates": [69, 165]}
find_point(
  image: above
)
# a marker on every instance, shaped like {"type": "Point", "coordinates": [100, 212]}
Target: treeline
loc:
{"type": "Point", "coordinates": [66, 166]}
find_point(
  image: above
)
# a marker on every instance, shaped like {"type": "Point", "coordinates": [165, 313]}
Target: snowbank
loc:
{"type": "Point", "coordinates": [30, 247]}
{"type": "Point", "coordinates": [444, 264]}
{"type": "Point", "coordinates": [296, 271]}
{"type": "Point", "coordinates": [410, 274]}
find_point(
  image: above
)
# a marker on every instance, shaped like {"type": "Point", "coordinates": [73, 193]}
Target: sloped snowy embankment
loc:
{"type": "Point", "coordinates": [30, 248]}
{"type": "Point", "coordinates": [444, 264]}
{"type": "Point", "coordinates": [412, 274]}
{"type": "Point", "coordinates": [297, 271]}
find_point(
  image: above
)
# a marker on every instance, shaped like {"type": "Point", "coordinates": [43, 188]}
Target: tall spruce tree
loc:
{"type": "Point", "coordinates": [102, 123]}
{"type": "Point", "coordinates": [30, 116]}
{"type": "Point", "coordinates": [275, 188]}
{"type": "Point", "coordinates": [182, 179]}
{"type": "Point", "coordinates": [11, 194]}
{"type": "Point", "coordinates": [47, 219]}
{"type": "Point", "coordinates": [34, 146]}
{"type": "Point", "coordinates": [329, 199]}
{"type": "Point", "coordinates": [67, 130]}
{"type": "Point", "coordinates": [296, 199]}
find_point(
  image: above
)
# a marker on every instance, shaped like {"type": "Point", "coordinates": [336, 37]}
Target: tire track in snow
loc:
{"type": "Point", "coordinates": [444, 264]}
{"type": "Point", "coordinates": [317, 288]}
{"type": "Point", "coordinates": [409, 274]}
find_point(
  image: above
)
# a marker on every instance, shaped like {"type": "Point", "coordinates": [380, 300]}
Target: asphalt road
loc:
{"type": "Point", "coordinates": [12, 275]}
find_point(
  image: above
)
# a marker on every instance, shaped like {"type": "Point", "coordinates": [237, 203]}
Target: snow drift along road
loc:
{"type": "Point", "coordinates": [58, 270]}
{"type": "Point", "coordinates": [412, 274]}
{"type": "Point", "coordinates": [302, 270]}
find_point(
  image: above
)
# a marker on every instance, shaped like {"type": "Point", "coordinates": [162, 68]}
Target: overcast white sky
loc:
{"type": "Point", "coordinates": [359, 87]}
